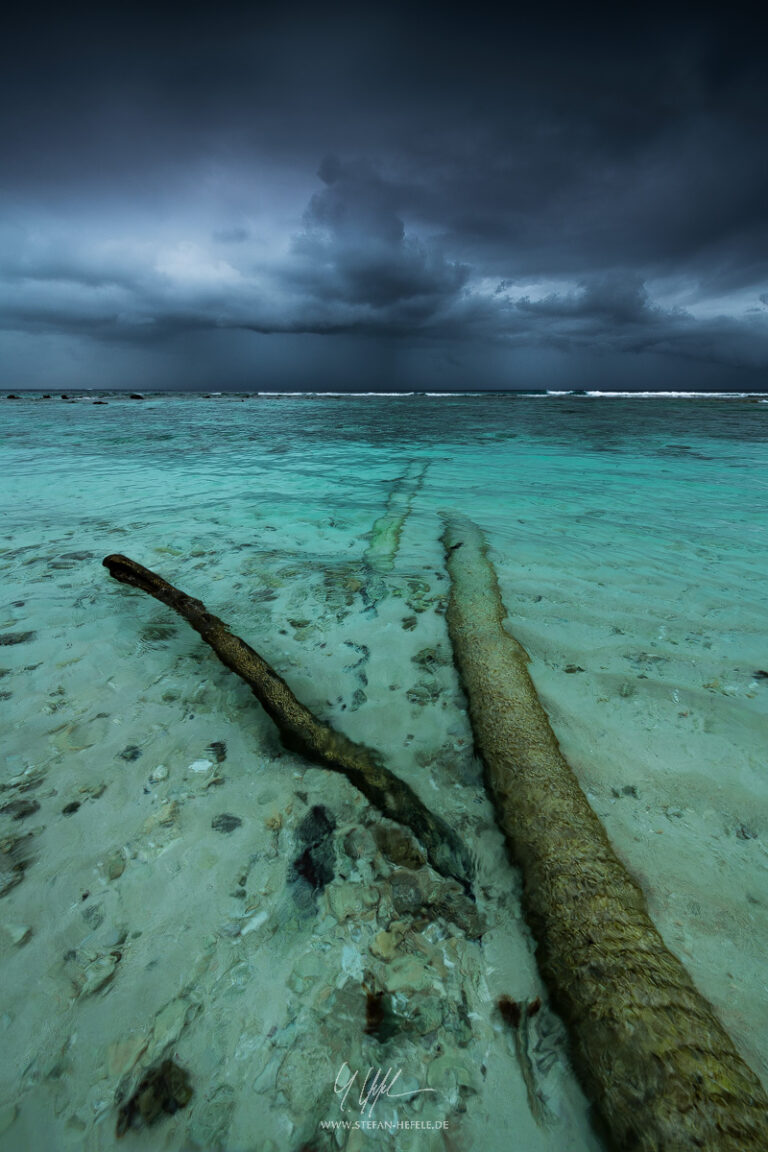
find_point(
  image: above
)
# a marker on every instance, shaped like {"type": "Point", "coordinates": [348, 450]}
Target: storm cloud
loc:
{"type": "Point", "coordinates": [384, 198]}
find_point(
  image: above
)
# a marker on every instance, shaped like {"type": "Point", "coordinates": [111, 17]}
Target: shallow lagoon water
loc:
{"type": "Point", "coordinates": [631, 539]}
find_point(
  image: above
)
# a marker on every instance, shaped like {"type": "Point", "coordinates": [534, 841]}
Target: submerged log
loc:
{"type": "Point", "coordinates": [649, 1050]}
{"type": "Point", "coordinates": [301, 731]}
{"type": "Point", "coordinates": [386, 532]}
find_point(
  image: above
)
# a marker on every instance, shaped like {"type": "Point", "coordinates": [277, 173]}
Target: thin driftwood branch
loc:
{"type": "Point", "coordinates": [649, 1049]}
{"type": "Point", "coordinates": [301, 731]}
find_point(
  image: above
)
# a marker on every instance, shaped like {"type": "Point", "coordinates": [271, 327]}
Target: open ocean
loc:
{"type": "Point", "coordinates": [150, 820]}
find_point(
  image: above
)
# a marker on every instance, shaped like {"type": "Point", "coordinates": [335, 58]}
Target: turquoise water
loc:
{"type": "Point", "coordinates": [631, 541]}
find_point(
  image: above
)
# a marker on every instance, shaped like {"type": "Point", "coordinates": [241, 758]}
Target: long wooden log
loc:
{"type": "Point", "coordinates": [301, 731]}
{"type": "Point", "coordinates": [386, 532]}
{"type": "Point", "coordinates": [650, 1052]}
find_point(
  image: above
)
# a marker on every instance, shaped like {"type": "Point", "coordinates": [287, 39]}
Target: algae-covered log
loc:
{"type": "Point", "coordinates": [301, 731]}
{"type": "Point", "coordinates": [650, 1052]}
{"type": "Point", "coordinates": [386, 532]}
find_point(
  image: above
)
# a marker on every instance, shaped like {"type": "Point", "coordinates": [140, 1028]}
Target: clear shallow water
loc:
{"type": "Point", "coordinates": [631, 540]}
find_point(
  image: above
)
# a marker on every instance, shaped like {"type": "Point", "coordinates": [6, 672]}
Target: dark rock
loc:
{"type": "Point", "coordinates": [317, 825]}
{"type": "Point", "coordinates": [381, 1022]}
{"type": "Point", "coordinates": [315, 865]}
{"type": "Point", "coordinates": [136, 396]}
{"type": "Point", "coordinates": [458, 1022]}
{"type": "Point", "coordinates": [424, 1014]}
{"type": "Point", "coordinates": [164, 1089]}
{"type": "Point", "coordinates": [424, 693]}
{"type": "Point", "coordinates": [409, 623]}
{"type": "Point", "coordinates": [429, 659]}
{"type": "Point", "coordinates": [99, 401]}
{"type": "Point", "coordinates": [94, 916]}
{"type": "Point", "coordinates": [68, 809]}
{"type": "Point", "coordinates": [13, 396]}
{"type": "Point", "coordinates": [218, 749]}
{"type": "Point", "coordinates": [20, 809]}
{"type": "Point", "coordinates": [303, 893]}
{"type": "Point", "coordinates": [224, 822]}
{"type": "Point", "coordinates": [407, 891]}
{"type": "Point", "coordinates": [423, 892]}
{"type": "Point", "coordinates": [571, 668]}
{"type": "Point", "coordinates": [358, 699]}
{"type": "Point", "coordinates": [15, 858]}
{"type": "Point", "coordinates": [131, 753]}
{"type": "Point", "coordinates": [510, 1011]}
{"type": "Point", "coordinates": [398, 845]}
{"type": "Point", "coordinates": [9, 638]}
{"type": "Point", "coordinates": [744, 832]}
{"type": "Point", "coordinates": [359, 844]}
{"type": "Point", "coordinates": [450, 902]}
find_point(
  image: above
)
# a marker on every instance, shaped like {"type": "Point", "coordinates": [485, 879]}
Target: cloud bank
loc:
{"type": "Point", "coordinates": [303, 203]}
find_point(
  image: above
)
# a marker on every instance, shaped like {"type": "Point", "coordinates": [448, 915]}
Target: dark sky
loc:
{"type": "Point", "coordinates": [384, 197]}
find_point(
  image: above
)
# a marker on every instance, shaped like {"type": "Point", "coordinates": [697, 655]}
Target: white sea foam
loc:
{"type": "Point", "coordinates": [338, 394]}
{"type": "Point", "coordinates": [674, 395]}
